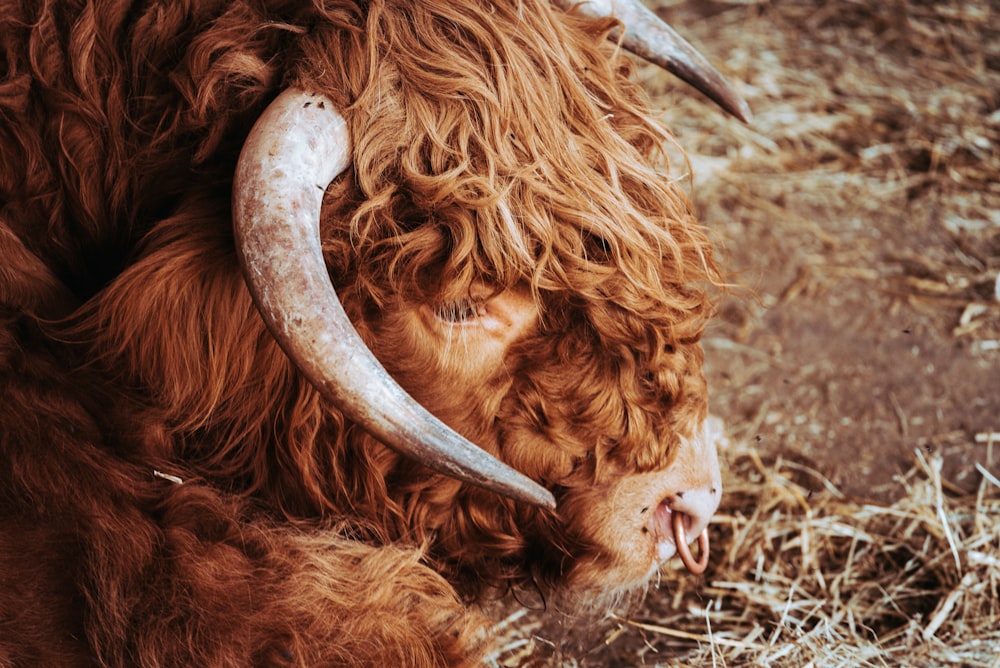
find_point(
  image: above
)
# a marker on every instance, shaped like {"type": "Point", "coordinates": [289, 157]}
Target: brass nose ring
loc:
{"type": "Point", "coordinates": [684, 552]}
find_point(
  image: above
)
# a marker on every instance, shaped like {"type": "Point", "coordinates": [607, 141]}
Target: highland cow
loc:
{"type": "Point", "coordinates": [243, 369]}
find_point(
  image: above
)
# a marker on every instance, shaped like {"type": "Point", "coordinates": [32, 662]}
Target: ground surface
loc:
{"type": "Point", "coordinates": [863, 206]}
{"type": "Point", "coordinates": [862, 210]}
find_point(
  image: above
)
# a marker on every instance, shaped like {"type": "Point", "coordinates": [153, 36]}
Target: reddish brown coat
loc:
{"type": "Point", "coordinates": [502, 156]}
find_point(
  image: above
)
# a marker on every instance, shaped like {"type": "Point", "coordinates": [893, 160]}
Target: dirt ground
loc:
{"type": "Point", "coordinates": [861, 211]}
{"type": "Point", "coordinates": [863, 208]}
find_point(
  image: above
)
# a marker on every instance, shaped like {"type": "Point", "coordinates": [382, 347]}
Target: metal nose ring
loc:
{"type": "Point", "coordinates": [684, 552]}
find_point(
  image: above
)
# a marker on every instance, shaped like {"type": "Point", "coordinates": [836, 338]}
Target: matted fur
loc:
{"type": "Point", "coordinates": [499, 145]}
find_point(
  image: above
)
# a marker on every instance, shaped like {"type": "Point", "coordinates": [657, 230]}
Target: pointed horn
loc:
{"type": "Point", "coordinates": [650, 38]}
{"type": "Point", "coordinates": [296, 148]}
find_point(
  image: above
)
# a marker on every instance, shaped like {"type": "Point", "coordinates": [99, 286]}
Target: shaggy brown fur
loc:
{"type": "Point", "coordinates": [499, 145]}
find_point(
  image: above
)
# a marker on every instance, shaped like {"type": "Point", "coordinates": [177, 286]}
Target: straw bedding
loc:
{"type": "Point", "coordinates": [811, 578]}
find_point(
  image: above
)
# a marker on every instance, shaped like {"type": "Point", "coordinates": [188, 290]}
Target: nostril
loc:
{"type": "Point", "coordinates": [698, 504]}
{"type": "Point", "coordinates": [680, 520]}
{"type": "Point", "coordinates": [690, 511]}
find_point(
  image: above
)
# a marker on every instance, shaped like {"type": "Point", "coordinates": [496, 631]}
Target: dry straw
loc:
{"type": "Point", "coordinates": [805, 577]}
{"type": "Point", "coordinates": [811, 578]}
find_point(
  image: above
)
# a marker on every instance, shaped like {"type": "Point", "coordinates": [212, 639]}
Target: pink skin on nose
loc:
{"type": "Point", "coordinates": [675, 525]}
{"type": "Point", "coordinates": [663, 532]}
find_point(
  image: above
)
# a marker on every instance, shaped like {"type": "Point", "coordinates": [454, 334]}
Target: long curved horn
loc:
{"type": "Point", "coordinates": [296, 148]}
{"type": "Point", "coordinates": [650, 38]}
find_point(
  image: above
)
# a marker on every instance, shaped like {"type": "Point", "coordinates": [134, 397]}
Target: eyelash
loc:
{"type": "Point", "coordinates": [458, 311]}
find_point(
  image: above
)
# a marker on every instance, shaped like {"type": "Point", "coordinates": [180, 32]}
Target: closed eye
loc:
{"type": "Point", "coordinates": [462, 310]}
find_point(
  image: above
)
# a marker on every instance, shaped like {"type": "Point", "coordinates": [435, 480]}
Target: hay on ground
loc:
{"type": "Point", "coordinates": [803, 576]}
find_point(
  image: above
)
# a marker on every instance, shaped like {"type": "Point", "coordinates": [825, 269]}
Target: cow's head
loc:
{"type": "Point", "coordinates": [510, 253]}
